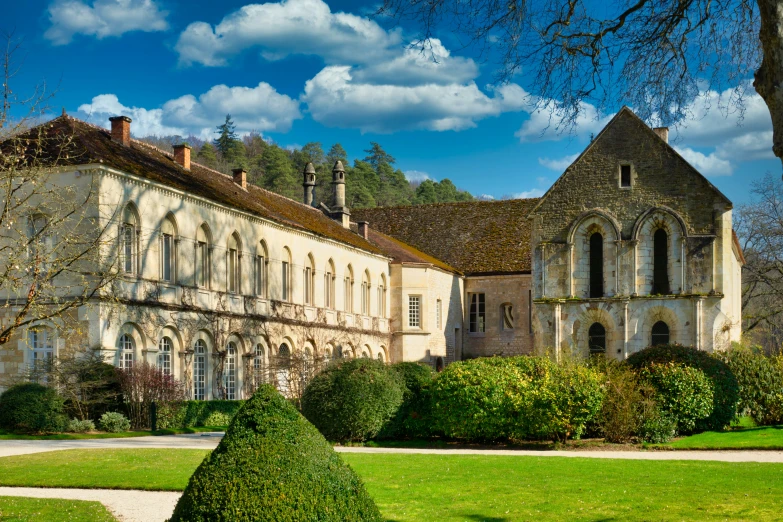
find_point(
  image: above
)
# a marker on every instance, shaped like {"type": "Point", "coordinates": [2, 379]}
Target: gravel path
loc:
{"type": "Point", "coordinates": [126, 505]}
{"type": "Point", "coordinates": [207, 440]}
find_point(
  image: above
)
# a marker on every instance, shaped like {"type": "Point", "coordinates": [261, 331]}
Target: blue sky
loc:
{"type": "Point", "coordinates": [306, 70]}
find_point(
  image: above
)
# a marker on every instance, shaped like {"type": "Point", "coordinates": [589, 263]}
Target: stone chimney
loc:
{"type": "Point", "coordinates": [309, 184]}
{"type": "Point", "coordinates": [662, 132]}
{"type": "Point", "coordinates": [120, 129]}
{"type": "Point", "coordinates": [182, 155]}
{"type": "Point", "coordinates": [339, 211]}
{"type": "Point", "coordinates": [364, 229]}
{"type": "Point", "coordinates": [240, 178]}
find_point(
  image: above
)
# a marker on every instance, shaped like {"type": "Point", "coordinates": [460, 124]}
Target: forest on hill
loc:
{"type": "Point", "coordinates": [370, 182]}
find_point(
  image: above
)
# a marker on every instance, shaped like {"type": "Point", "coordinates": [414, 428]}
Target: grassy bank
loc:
{"type": "Point", "coordinates": [18, 509]}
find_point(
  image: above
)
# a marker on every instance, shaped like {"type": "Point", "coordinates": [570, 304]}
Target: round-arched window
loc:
{"type": "Point", "coordinates": [126, 347]}
{"type": "Point", "coordinates": [164, 355]}
{"type": "Point", "coordinates": [200, 370]}
{"type": "Point", "coordinates": [660, 333]}
{"type": "Point", "coordinates": [597, 338]}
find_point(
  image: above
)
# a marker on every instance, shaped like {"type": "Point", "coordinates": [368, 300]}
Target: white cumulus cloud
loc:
{"type": "Point", "coordinates": [525, 194]}
{"type": "Point", "coordinates": [258, 108]}
{"type": "Point", "coordinates": [708, 164]}
{"type": "Point", "coordinates": [558, 164]}
{"type": "Point", "coordinates": [102, 19]}
{"type": "Point", "coordinates": [416, 175]}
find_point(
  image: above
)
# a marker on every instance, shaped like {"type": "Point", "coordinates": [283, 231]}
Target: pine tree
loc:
{"type": "Point", "coordinates": [226, 137]}
{"type": "Point", "coordinates": [279, 173]}
{"type": "Point", "coordinates": [377, 157]}
{"type": "Point", "coordinates": [207, 155]}
{"type": "Point", "coordinates": [336, 153]}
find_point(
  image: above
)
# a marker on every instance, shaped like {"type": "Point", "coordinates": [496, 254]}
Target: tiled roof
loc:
{"type": "Point", "coordinates": [477, 237]}
{"type": "Point", "coordinates": [402, 253]}
{"type": "Point", "coordinates": [90, 144]}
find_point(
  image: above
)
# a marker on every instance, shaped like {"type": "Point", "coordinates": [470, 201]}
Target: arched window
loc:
{"type": "Point", "coordinates": [164, 355]}
{"type": "Point", "coordinates": [660, 333]}
{"type": "Point", "coordinates": [259, 364]}
{"type": "Point", "coordinates": [284, 353]}
{"type": "Point", "coordinates": [596, 265]}
{"type": "Point", "coordinates": [234, 255]}
{"type": "Point", "coordinates": [41, 341]}
{"type": "Point", "coordinates": [309, 280]}
{"type": "Point", "coordinates": [382, 297]}
{"type": "Point", "coordinates": [129, 240]}
{"type": "Point", "coordinates": [286, 275]}
{"type": "Point", "coordinates": [660, 263]}
{"type": "Point", "coordinates": [597, 339]}
{"type": "Point", "coordinates": [230, 372]}
{"type": "Point", "coordinates": [203, 264]}
{"type": "Point", "coordinates": [348, 289]}
{"type": "Point", "coordinates": [380, 356]}
{"type": "Point", "coordinates": [168, 250]}
{"type": "Point", "coordinates": [126, 347]}
{"type": "Point", "coordinates": [338, 352]}
{"type": "Point", "coordinates": [366, 293]}
{"type": "Point", "coordinates": [200, 370]}
{"type": "Point", "coordinates": [260, 270]}
{"type": "Point", "coordinates": [329, 285]}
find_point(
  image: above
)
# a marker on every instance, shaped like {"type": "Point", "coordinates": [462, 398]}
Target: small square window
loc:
{"type": "Point", "coordinates": [625, 175]}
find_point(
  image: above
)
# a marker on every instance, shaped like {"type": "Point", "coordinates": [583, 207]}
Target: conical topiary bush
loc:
{"type": "Point", "coordinates": [273, 465]}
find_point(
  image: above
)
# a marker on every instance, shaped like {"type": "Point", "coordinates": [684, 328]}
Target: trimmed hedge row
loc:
{"type": "Point", "coordinates": [189, 414]}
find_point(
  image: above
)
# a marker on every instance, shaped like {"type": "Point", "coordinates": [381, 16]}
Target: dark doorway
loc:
{"type": "Point", "coordinates": [660, 333]}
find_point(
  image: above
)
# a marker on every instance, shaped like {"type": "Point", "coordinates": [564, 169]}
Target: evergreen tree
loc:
{"type": "Point", "coordinates": [337, 152]}
{"type": "Point", "coordinates": [426, 193]}
{"type": "Point", "coordinates": [226, 137]}
{"type": "Point", "coordinates": [279, 174]}
{"type": "Point", "coordinates": [377, 157]}
{"type": "Point", "coordinates": [207, 155]}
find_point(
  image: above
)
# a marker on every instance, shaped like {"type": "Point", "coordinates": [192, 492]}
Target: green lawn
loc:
{"type": "Point", "coordinates": [18, 509]}
{"type": "Point", "coordinates": [765, 437]}
{"type": "Point", "coordinates": [468, 487]}
{"type": "Point", "coordinates": [4, 435]}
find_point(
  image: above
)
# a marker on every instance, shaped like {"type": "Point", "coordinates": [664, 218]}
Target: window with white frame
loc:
{"type": "Point", "coordinates": [477, 317]}
{"type": "Point", "coordinates": [164, 355]}
{"type": "Point", "coordinates": [366, 294]}
{"type": "Point", "coordinates": [41, 341]}
{"type": "Point", "coordinates": [309, 281]}
{"type": "Point", "coordinates": [414, 311]}
{"type": "Point", "coordinates": [260, 286]}
{"type": "Point", "coordinates": [200, 370]}
{"type": "Point", "coordinates": [126, 347]}
{"type": "Point", "coordinates": [439, 314]}
{"type": "Point", "coordinates": [128, 238]}
{"type": "Point", "coordinates": [329, 285]}
{"type": "Point", "coordinates": [259, 364]}
{"type": "Point", "coordinates": [286, 278]}
{"type": "Point", "coordinates": [230, 372]}
{"type": "Point", "coordinates": [167, 251]}
{"type": "Point", "coordinates": [202, 257]}
{"type": "Point", "coordinates": [382, 298]}
{"type": "Point", "coordinates": [348, 290]}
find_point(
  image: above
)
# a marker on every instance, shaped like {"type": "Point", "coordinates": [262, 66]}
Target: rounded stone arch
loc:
{"type": "Point", "coordinates": [597, 216]}
{"type": "Point", "coordinates": [204, 233]}
{"type": "Point", "coordinates": [136, 334]}
{"type": "Point", "coordinates": [169, 225]}
{"type": "Point", "coordinates": [382, 354]}
{"type": "Point", "coordinates": [648, 214]}
{"type": "Point", "coordinates": [641, 325]}
{"type": "Point", "coordinates": [593, 273]}
{"type": "Point", "coordinates": [581, 331]}
{"type": "Point", "coordinates": [650, 276]}
{"type": "Point", "coordinates": [173, 333]}
{"type": "Point", "coordinates": [329, 354]}
{"type": "Point", "coordinates": [349, 352]}
{"type": "Point", "coordinates": [234, 241]}
{"type": "Point", "coordinates": [366, 351]}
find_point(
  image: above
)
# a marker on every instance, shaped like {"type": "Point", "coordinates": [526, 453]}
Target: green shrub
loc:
{"type": "Point", "coordinates": [496, 398]}
{"type": "Point", "coordinates": [683, 392]}
{"type": "Point", "coordinates": [760, 381]}
{"type": "Point", "coordinates": [626, 400]}
{"type": "Point", "coordinates": [188, 414]}
{"type": "Point", "coordinates": [114, 422]}
{"type": "Point", "coordinates": [413, 417]}
{"type": "Point", "coordinates": [80, 426]}
{"type": "Point", "coordinates": [353, 400]}
{"type": "Point", "coordinates": [273, 465]}
{"type": "Point", "coordinates": [725, 386]}
{"type": "Point", "coordinates": [657, 426]}
{"type": "Point", "coordinates": [32, 408]}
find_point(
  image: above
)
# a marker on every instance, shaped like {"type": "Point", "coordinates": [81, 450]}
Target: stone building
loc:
{"type": "Point", "coordinates": [220, 278]}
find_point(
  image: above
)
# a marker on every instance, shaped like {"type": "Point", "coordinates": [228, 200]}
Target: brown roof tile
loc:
{"type": "Point", "coordinates": [403, 253]}
{"type": "Point", "coordinates": [91, 144]}
{"type": "Point", "coordinates": [477, 237]}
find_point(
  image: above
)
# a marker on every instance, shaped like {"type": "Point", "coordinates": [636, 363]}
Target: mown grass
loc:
{"type": "Point", "coordinates": [19, 509]}
{"type": "Point", "coordinates": [4, 435]}
{"type": "Point", "coordinates": [467, 487]}
{"type": "Point", "coordinates": [760, 438]}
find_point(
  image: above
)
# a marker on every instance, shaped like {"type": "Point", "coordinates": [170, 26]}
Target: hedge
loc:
{"type": "Point", "coordinates": [188, 414]}
{"type": "Point", "coordinates": [32, 408]}
{"type": "Point", "coordinates": [726, 387]}
{"type": "Point", "coordinates": [413, 417]}
{"type": "Point", "coordinates": [760, 381]}
{"type": "Point", "coordinates": [273, 465]}
{"type": "Point", "coordinates": [684, 393]}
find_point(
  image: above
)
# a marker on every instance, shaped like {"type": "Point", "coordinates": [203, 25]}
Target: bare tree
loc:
{"type": "Point", "coordinates": [654, 55]}
{"type": "Point", "coordinates": [56, 239]}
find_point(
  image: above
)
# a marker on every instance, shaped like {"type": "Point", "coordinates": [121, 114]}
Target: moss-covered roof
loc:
{"type": "Point", "coordinates": [477, 237]}
{"type": "Point", "coordinates": [69, 141]}
{"type": "Point", "coordinates": [403, 253]}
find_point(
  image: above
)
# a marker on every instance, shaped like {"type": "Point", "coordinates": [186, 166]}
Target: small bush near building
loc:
{"type": "Point", "coordinates": [188, 414]}
{"type": "Point", "coordinates": [353, 400]}
{"type": "Point", "coordinates": [81, 426]}
{"type": "Point", "coordinates": [725, 385]}
{"type": "Point", "coordinates": [143, 384]}
{"type": "Point", "coordinates": [273, 465]}
{"type": "Point", "coordinates": [114, 422]}
{"type": "Point", "coordinates": [625, 403]}
{"type": "Point", "coordinates": [515, 398]}
{"type": "Point", "coordinates": [760, 381]}
{"type": "Point", "coordinates": [413, 417]}
{"type": "Point", "coordinates": [684, 393]}
{"type": "Point", "coordinates": [657, 426]}
{"type": "Point", "coordinates": [32, 408]}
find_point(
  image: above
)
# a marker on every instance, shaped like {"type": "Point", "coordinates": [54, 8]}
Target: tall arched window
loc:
{"type": "Point", "coordinates": [285, 276]}
{"type": "Point", "coordinates": [200, 370]}
{"type": "Point", "coordinates": [203, 264]}
{"type": "Point", "coordinates": [366, 293]}
{"type": "Point", "coordinates": [230, 372]}
{"type": "Point", "coordinates": [660, 262]}
{"type": "Point", "coordinates": [41, 341]}
{"type": "Point", "coordinates": [596, 265]}
{"type": "Point", "coordinates": [129, 240]}
{"type": "Point", "coordinates": [168, 250]}
{"type": "Point", "coordinates": [260, 270]}
{"type": "Point", "coordinates": [234, 255]}
{"type": "Point", "coordinates": [126, 347]}
{"type": "Point", "coordinates": [259, 364]}
{"type": "Point", "coordinates": [164, 355]}
{"type": "Point", "coordinates": [348, 289]}
{"type": "Point", "coordinates": [329, 285]}
{"type": "Point", "coordinates": [596, 338]}
{"type": "Point", "coordinates": [660, 333]}
{"type": "Point", "coordinates": [382, 297]}
{"type": "Point", "coordinates": [309, 280]}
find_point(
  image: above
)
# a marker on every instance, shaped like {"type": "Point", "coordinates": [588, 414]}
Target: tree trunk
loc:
{"type": "Point", "coordinates": [769, 77]}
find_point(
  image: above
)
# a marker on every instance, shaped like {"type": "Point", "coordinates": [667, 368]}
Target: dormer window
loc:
{"type": "Point", "coordinates": [625, 176]}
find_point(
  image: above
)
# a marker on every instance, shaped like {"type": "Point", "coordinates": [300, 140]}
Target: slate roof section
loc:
{"type": "Point", "coordinates": [476, 237]}
{"type": "Point", "coordinates": [88, 144]}
{"type": "Point", "coordinates": [402, 253]}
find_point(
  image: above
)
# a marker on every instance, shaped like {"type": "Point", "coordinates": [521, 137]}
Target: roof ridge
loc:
{"type": "Point", "coordinates": [446, 203]}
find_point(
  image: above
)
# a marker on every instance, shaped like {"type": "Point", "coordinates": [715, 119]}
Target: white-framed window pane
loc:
{"type": "Point", "coordinates": [229, 372]}
{"type": "Point", "coordinates": [414, 311]}
{"type": "Point", "coordinates": [260, 269]}
{"type": "Point", "coordinates": [285, 276]}
{"type": "Point", "coordinates": [200, 371]}
{"type": "Point", "coordinates": [126, 348]}
{"type": "Point", "coordinates": [478, 316]}
{"type": "Point", "coordinates": [128, 248]}
{"type": "Point", "coordinates": [164, 355]}
{"type": "Point", "coordinates": [168, 260]}
{"type": "Point", "coordinates": [232, 270]}
{"type": "Point", "coordinates": [201, 264]}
